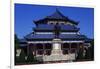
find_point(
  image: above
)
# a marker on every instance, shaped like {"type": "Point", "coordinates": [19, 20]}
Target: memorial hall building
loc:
{"type": "Point", "coordinates": [56, 38]}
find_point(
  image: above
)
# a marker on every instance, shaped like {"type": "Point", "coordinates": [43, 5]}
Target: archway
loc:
{"type": "Point", "coordinates": [65, 48]}
{"type": "Point", "coordinates": [48, 48]}
{"type": "Point", "coordinates": [39, 49]}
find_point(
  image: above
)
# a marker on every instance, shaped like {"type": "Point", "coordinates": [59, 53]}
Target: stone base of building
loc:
{"type": "Point", "coordinates": [56, 58]}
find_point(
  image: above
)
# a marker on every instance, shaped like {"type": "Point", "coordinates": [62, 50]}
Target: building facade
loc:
{"type": "Point", "coordinates": [56, 38]}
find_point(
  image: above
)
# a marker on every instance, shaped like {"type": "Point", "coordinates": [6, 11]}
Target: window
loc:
{"type": "Point", "coordinates": [73, 45]}
{"type": "Point", "coordinates": [31, 47]}
{"type": "Point", "coordinates": [65, 52]}
{"type": "Point", "coordinates": [39, 46]}
{"type": "Point", "coordinates": [48, 46]}
{"type": "Point", "coordinates": [40, 52]}
{"type": "Point", "coordinates": [65, 46]}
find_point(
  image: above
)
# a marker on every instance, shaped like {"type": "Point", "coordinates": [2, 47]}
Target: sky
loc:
{"type": "Point", "coordinates": [25, 14]}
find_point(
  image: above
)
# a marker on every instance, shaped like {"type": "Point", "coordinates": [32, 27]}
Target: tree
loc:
{"type": "Point", "coordinates": [90, 51]}
{"type": "Point", "coordinates": [16, 40]}
{"type": "Point", "coordinates": [31, 58]}
{"type": "Point", "coordinates": [22, 56]}
{"type": "Point", "coordinates": [80, 55]}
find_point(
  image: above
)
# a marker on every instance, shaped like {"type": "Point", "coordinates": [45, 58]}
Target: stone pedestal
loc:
{"type": "Point", "coordinates": [56, 47]}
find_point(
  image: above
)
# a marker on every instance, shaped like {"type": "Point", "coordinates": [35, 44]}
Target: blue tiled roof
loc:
{"type": "Point", "coordinates": [51, 27]}
{"type": "Point", "coordinates": [51, 36]}
{"type": "Point", "coordinates": [22, 40]}
{"type": "Point", "coordinates": [45, 26]}
{"type": "Point", "coordinates": [40, 36]}
{"type": "Point", "coordinates": [68, 27]}
{"type": "Point", "coordinates": [57, 15]}
{"type": "Point", "coordinates": [72, 36]}
{"type": "Point", "coordinates": [30, 35]}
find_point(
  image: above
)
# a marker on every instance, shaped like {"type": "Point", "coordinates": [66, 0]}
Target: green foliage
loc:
{"type": "Point", "coordinates": [20, 59]}
{"type": "Point", "coordinates": [90, 51]}
{"type": "Point", "coordinates": [16, 41]}
{"type": "Point", "coordinates": [31, 58]}
{"type": "Point", "coordinates": [22, 56]}
{"type": "Point", "coordinates": [80, 54]}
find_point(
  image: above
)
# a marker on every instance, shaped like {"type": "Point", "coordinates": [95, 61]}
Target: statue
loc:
{"type": "Point", "coordinates": [57, 30]}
